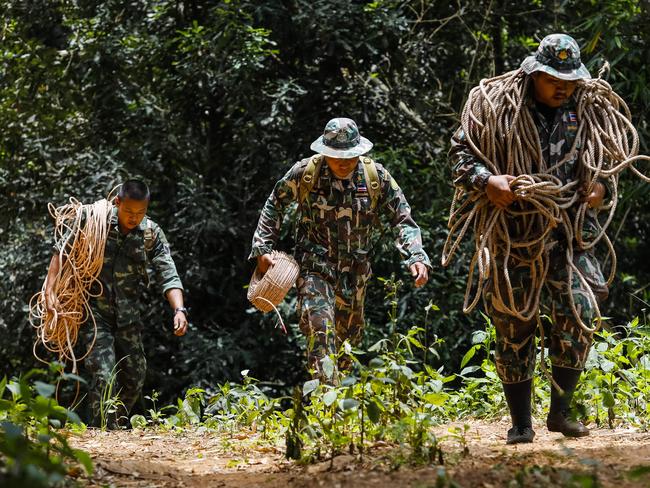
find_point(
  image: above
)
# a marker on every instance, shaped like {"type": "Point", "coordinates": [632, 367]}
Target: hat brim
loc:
{"type": "Point", "coordinates": [530, 65]}
{"type": "Point", "coordinates": [363, 147]}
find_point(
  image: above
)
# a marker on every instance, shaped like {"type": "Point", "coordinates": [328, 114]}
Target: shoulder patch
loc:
{"type": "Point", "coordinates": [149, 235]}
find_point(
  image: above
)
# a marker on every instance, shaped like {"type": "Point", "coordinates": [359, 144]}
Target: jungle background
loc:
{"type": "Point", "coordinates": [212, 101]}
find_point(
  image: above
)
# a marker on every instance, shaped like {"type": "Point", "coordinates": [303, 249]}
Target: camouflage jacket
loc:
{"type": "Point", "coordinates": [556, 139]}
{"type": "Point", "coordinates": [124, 273]}
{"type": "Point", "coordinates": [336, 222]}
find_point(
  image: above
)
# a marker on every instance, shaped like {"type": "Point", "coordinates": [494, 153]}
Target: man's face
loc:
{"type": "Point", "coordinates": [341, 167]}
{"type": "Point", "coordinates": [130, 212]}
{"type": "Point", "coordinates": [552, 91]}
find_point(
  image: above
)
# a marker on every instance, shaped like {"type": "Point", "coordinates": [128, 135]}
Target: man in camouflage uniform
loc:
{"type": "Point", "coordinates": [554, 69]}
{"type": "Point", "coordinates": [134, 243]}
{"type": "Point", "coordinates": [338, 212]}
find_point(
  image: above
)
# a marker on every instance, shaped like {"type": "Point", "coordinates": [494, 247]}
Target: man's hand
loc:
{"type": "Point", "coordinates": [180, 323]}
{"type": "Point", "coordinates": [264, 262]}
{"type": "Point", "coordinates": [595, 198]}
{"type": "Point", "coordinates": [498, 190]}
{"type": "Point", "coordinates": [51, 301]}
{"type": "Point", "coordinates": [420, 272]}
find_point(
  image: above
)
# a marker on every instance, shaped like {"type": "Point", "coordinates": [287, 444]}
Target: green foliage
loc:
{"type": "Point", "coordinates": [109, 402]}
{"type": "Point", "coordinates": [34, 451]}
{"type": "Point", "coordinates": [390, 396]}
{"type": "Point", "coordinates": [616, 384]}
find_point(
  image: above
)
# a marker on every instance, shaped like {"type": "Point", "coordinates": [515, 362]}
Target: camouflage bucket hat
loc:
{"type": "Point", "coordinates": [559, 56]}
{"type": "Point", "coordinates": [341, 139]}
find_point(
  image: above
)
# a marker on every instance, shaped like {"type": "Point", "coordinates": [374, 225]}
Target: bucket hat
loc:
{"type": "Point", "coordinates": [341, 139]}
{"type": "Point", "coordinates": [559, 56]}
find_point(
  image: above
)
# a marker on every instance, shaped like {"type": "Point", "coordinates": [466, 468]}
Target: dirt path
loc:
{"type": "Point", "coordinates": [199, 458]}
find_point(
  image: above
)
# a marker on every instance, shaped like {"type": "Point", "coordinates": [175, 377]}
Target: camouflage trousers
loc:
{"type": "Point", "coordinates": [331, 312]}
{"type": "Point", "coordinates": [569, 343]}
{"type": "Point", "coordinates": [116, 349]}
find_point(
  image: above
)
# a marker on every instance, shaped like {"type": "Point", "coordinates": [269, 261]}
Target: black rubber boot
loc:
{"type": "Point", "coordinates": [518, 398]}
{"type": "Point", "coordinates": [559, 415]}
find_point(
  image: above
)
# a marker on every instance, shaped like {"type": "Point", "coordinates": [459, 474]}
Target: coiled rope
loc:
{"type": "Point", "coordinates": [80, 232]}
{"type": "Point", "coordinates": [503, 135]}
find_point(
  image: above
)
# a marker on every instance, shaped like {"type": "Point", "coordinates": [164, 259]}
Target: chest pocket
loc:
{"type": "Point", "coordinates": [363, 215]}
{"type": "Point", "coordinates": [137, 261]}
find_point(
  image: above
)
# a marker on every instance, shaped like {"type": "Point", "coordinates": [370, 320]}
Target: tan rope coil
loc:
{"type": "Point", "coordinates": [266, 291]}
{"type": "Point", "coordinates": [80, 232]}
{"type": "Point", "coordinates": [503, 135]}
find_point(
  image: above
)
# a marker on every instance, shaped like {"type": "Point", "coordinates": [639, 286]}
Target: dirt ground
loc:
{"type": "Point", "coordinates": [480, 458]}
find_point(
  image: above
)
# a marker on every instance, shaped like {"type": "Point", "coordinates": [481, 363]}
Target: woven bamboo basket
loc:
{"type": "Point", "coordinates": [268, 290]}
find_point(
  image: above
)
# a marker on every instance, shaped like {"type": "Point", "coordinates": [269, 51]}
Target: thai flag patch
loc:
{"type": "Point", "coordinates": [362, 188]}
{"type": "Point", "coordinates": [573, 118]}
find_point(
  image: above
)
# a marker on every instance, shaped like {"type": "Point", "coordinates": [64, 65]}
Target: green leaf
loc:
{"type": "Point", "coordinates": [437, 399]}
{"type": "Point", "coordinates": [374, 412]}
{"type": "Point", "coordinates": [138, 421]}
{"type": "Point", "coordinates": [468, 356]}
{"type": "Point", "coordinates": [606, 365]}
{"type": "Point", "coordinates": [608, 399]}
{"type": "Point", "coordinates": [348, 404]}
{"type": "Point", "coordinates": [328, 366]}
{"type": "Point", "coordinates": [376, 363]}
{"type": "Point", "coordinates": [330, 397]}
{"type": "Point", "coordinates": [377, 345]}
{"type": "Point", "coordinates": [479, 337]}
{"type": "Point", "coordinates": [469, 370]}
{"type": "Point", "coordinates": [41, 406]}
{"type": "Point", "coordinates": [406, 371]}
{"type": "Point", "coordinates": [310, 386]}
{"type": "Point", "coordinates": [436, 386]}
{"type": "Point", "coordinates": [73, 417]}
{"type": "Point", "coordinates": [14, 388]}
{"type": "Point", "coordinates": [44, 389]}
{"type": "Point", "coordinates": [85, 460]}
{"type": "Point", "coordinates": [11, 430]}
{"type": "Point", "coordinates": [75, 377]}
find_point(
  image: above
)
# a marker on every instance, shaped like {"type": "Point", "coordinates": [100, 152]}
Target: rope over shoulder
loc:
{"type": "Point", "coordinates": [503, 135]}
{"type": "Point", "coordinates": [81, 232]}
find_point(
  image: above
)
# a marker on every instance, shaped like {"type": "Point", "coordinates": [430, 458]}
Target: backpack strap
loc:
{"type": "Point", "coordinates": [309, 176]}
{"type": "Point", "coordinates": [372, 180]}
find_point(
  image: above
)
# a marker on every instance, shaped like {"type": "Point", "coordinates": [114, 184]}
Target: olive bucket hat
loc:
{"type": "Point", "coordinates": [341, 139]}
{"type": "Point", "coordinates": [559, 56]}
